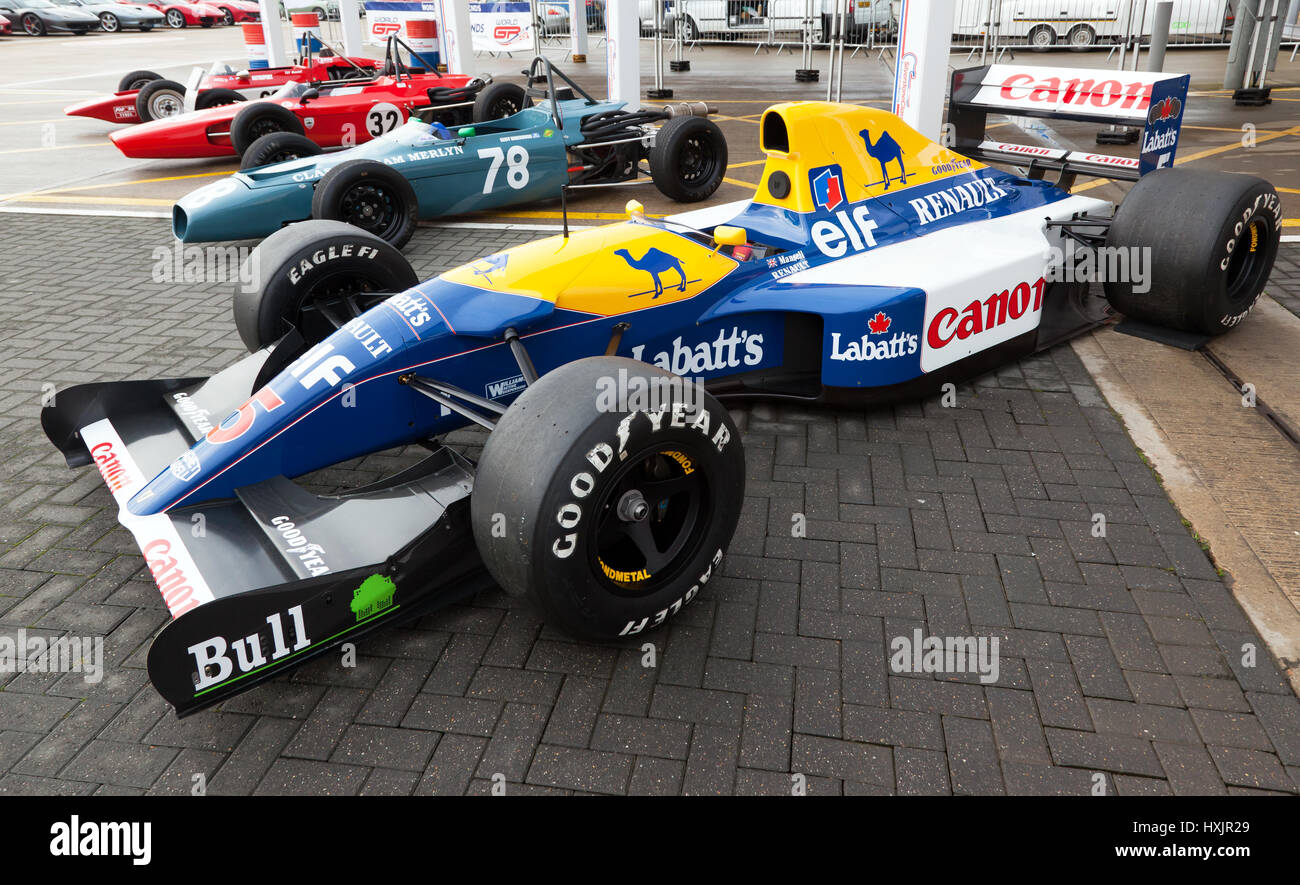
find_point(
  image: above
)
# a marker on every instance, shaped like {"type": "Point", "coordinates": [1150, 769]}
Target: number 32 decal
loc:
{"type": "Point", "coordinates": [516, 162]}
{"type": "Point", "coordinates": [382, 118]}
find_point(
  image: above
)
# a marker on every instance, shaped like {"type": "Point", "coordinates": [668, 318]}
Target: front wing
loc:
{"type": "Point", "coordinates": [260, 583]}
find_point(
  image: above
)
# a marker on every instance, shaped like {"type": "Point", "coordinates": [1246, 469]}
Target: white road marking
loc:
{"type": "Point", "coordinates": [115, 213]}
{"type": "Point", "coordinates": [206, 61]}
{"type": "Point", "coordinates": [99, 213]}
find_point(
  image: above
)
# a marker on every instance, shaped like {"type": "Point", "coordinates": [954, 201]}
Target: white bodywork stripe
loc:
{"type": "Point", "coordinates": [997, 253]}
{"type": "Point", "coordinates": [178, 577]}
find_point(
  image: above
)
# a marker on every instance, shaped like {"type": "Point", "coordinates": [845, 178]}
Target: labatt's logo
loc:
{"type": "Point", "coordinates": [729, 350]}
{"type": "Point", "coordinates": [978, 317]}
{"type": "Point", "coordinates": [1159, 141]}
{"type": "Point", "coordinates": [870, 348]}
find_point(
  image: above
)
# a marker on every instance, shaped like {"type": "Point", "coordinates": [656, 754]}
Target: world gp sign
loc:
{"type": "Point", "coordinates": [501, 27]}
{"type": "Point", "coordinates": [386, 18]}
{"type": "Point", "coordinates": [495, 27]}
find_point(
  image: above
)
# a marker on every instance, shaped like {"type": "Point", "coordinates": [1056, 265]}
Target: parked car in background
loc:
{"type": "Point", "coordinates": [733, 19]}
{"type": "Point", "coordinates": [235, 12]}
{"type": "Point", "coordinates": [6, 28]}
{"type": "Point", "coordinates": [180, 15]}
{"type": "Point", "coordinates": [1083, 24]}
{"type": "Point", "coordinates": [36, 18]}
{"type": "Point", "coordinates": [553, 17]}
{"type": "Point", "coordinates": [326, 9]}
{"type": "Point", "coordinates": [115, 16]}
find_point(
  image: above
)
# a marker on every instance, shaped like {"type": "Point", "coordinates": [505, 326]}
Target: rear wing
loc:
{"type": "Point", "coordinates": [1153, 102]}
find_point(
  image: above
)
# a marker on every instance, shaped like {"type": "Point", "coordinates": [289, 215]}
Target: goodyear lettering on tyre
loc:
{"type": "Point", "coordinates": [569, 516]}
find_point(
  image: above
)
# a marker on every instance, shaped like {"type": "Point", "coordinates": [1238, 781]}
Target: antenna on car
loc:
{"type": "Point", "coordinates": [564, 208]}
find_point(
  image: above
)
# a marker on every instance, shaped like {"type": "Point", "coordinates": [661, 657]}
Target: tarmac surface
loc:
{"type": "Point", "coordinates": [1126, 664]}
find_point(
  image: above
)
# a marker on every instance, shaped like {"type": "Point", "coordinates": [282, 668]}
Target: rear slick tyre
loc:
{"type": "Point", "coordinates": [1207, 241]}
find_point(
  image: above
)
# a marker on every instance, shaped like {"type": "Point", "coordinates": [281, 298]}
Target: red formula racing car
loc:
{"type": "Point", "coordinates": [237, 11]}
{"type": "Point", "coordinates": [338, 113]}
{"type": "Point", "coordinates": [143, 95]}
{"type": "Point", "coordinates": [181, 14]}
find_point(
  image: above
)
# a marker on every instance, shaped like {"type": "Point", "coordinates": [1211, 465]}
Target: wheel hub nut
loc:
{"type": "Point", "coordinates": [632, 507]}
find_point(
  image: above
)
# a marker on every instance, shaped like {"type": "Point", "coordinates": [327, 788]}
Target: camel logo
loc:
{"type": "Point", "coordinates": [827, 187]}
{"type": "Point", "coordinates": [493, 262]}
{"type": "Point", "coordinates": [885, 150]}
{"type": "Point", "coordinates": [656, 262]}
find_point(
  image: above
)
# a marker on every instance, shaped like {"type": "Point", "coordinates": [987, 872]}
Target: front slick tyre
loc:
{"type": "Point", "coordinates": [611, 521]}
{"type": "Point", "coordinates": [315, 276]}
{"type": "Point", "coordinates": [1211, 238]}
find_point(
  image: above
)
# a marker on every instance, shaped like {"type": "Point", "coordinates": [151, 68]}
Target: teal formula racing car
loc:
{"type": "Point", "coordinates": [424, 170]}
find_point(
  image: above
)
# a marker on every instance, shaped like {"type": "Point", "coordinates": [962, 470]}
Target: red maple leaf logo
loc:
{"type": "Point", "coordinates": [879, 324]}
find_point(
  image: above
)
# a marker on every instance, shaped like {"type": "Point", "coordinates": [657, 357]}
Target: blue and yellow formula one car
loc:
{"type": "Point", "coordinates": [871, 264]}
{"type": "Point", "coordinates": [424, 170]}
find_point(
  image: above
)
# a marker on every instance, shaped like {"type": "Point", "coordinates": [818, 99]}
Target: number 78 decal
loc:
{"type": "Point", "coordinates": [516, 161]}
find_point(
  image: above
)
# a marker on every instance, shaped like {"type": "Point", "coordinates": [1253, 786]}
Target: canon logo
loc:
{"type": "Point", "coordinates": [1077, 91]}
{"type": "Point", "coordinates": [951, 324]}
{"type": "Point", "coordinates": [109, 467]}
{"type": "Point", "coordinates": [172, 582]}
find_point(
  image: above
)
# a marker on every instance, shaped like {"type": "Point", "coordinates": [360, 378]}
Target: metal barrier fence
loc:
{"type": "Point", "coordinates": [820, 34]}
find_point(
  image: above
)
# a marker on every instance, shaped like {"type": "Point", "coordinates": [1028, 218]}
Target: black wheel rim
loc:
{"type": "Point", "coordinates": [1247, 266]}
{"type": "Point", "coordinates": [504, 107]}
{"type": "Point", "coordinates": [336, 299]}
{"type": "Point", "coordinates": [283, 156]}
{"type": "Point", "coordinates": [262, 126]}
{"type": "Point", "coordinates": [637, 556]}
{"type": "Point", "coordinates": [699, 160]}
{"type": "Point", "coordinates": [371, 207]}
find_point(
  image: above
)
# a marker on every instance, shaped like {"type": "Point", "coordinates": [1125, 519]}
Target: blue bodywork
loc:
{"type": "Point", "coordinates": [517, 159]}
{"type": "Point", "coordinates": [346, 397]}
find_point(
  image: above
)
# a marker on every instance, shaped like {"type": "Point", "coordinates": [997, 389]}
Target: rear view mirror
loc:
{"type": "Point", "coordinates": [725, 235]}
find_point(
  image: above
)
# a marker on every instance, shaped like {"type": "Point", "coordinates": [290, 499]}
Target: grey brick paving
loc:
{"type": "Point", "coordinates": [1117, 654]}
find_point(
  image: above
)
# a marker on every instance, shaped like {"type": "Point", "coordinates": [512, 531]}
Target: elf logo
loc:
{"type": "Point", "coordinates": [212, 658]}
{"type": "Point", "coordinates": [846, 228]}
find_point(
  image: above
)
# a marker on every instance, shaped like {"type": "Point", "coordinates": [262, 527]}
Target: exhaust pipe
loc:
{"type": "Point", "coordinates": [689, 109]}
